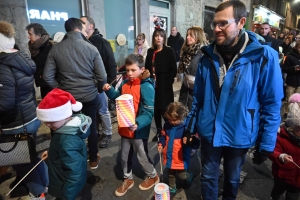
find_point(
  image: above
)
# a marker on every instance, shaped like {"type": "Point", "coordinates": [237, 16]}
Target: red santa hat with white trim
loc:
{"type": "Point", "coordinates": [57, 105]}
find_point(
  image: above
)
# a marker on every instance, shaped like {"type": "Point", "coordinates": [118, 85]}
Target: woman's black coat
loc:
{"type": "Point", "coordinates": [165, 71]}
{"type": "Point", "coordinates": [293, 76]}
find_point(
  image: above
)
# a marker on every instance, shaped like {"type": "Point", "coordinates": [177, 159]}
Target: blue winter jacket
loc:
{"type": "Point", "coordinates": [67, 160]}
{"type": "Point", "coordinates": [245, 109]}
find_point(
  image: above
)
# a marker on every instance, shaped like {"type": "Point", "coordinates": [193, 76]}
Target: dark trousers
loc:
{"type": "Point", "coordinates": [45, 90]}
{"type": "Point", "coordinates": [158, 115]}
{"type": "Point", "coordinates": [292, 192]}
{"type": "Point", "coordinates": [91, 109]}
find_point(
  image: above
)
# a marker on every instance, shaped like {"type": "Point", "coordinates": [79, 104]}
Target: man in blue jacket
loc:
{"type": "Point", "coordinates": [237, 99]}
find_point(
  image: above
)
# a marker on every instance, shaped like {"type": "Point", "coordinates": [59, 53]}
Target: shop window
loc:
{"type": "Point", "coordinates": [160, 4]}
{"type": "Point", "coordinates": [120, 19]}
{"type": "Point", "coordinates": [53, 14]}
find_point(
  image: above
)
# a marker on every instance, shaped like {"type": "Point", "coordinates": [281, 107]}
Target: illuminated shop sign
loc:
{"type": "Point", "coordinates": [45, 15]}
{"type": "Point", "coordinates": [53, 14]}
{"type": "Point", "coordinates": [262, 14]}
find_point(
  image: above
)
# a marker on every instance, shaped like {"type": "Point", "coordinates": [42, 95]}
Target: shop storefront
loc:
{"type": "Point", "coordinates": [262, 14]}
{"type": "Point", "coordinates": [53, 14]}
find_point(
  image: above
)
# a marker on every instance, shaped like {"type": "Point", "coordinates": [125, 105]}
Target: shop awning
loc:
{"type": "Point", "coordinates": [263, 14]}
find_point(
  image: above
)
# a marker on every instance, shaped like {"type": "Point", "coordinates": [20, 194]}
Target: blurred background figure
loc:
{"type": "Point", "coordinates": [175, 41]}
{"type": "Point", "coordinates": [141, 46]}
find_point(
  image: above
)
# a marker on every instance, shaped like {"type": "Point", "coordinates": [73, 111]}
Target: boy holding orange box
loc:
{"type": "Point", "coordinates": [140, 86]}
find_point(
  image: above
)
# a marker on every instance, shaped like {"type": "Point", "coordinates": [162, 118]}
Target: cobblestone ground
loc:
{"type": "Point", "coordinates": [256, 181]}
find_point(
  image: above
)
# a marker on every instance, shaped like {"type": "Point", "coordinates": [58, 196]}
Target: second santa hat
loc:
{"type": "Point", "coordinates": [57, 105]}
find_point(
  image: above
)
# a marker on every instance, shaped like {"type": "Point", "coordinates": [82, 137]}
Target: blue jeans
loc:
{"type": "Point", "coordinates": [38, 179]}
{"type": "Point", "coordinates": [90, 109]}
{"type": "Point", "coordinates": [104, 114]}
{"type": "Point", "coordinates": [211, 157]}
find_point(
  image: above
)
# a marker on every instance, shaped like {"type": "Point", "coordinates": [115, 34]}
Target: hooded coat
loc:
{"type": "Point", "coordinates": [17, 94]}
{"type": "Point", "coordinates": [67, 158]}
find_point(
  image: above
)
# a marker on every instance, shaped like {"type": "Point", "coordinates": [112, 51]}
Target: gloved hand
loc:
{"type": "Point", "coordinates": [259, 157]}
{"type": "Point", "coordinates": [188, 137]}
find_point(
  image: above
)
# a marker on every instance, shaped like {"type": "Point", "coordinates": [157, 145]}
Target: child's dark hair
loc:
{"type": "Point", "coordinates": [176, 110]}
{"type": "Point", "coordinates": [135, 59]}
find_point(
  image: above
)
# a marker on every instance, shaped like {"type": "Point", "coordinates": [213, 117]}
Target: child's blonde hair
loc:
{"type": "Point", "coordinates": [176, 110]}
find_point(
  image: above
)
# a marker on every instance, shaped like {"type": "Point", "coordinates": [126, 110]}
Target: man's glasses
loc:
{"type": "Point", "coordinates": [138, 39]}
{"type": "Point", "coordinates": [297, 38]}
{"type": "Point", "coordinates": [223, 24]}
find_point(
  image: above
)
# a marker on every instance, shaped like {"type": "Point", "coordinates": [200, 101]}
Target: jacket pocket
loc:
{"type": "Point", "coordinates": [236, 79]}
{"type": "Point", "coordinates": [251, 112]}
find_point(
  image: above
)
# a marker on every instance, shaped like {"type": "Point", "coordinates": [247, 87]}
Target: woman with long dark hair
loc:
{"type": "Point", "coordinates": [161, 63]}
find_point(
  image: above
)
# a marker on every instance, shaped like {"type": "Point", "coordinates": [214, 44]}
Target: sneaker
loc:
{"type": "Point", "coordinates": [105, 141]}
{"type": "Point", "coordinates": [173, 191]}
{"type": "Point", "coordinates": [127, 184]}
{"type": "Point", "coordinates": [188, 182]}
{"type": "Point", "coordinates": [94, 165]}
{"type": "Point", "coordinates": [149, 183]}
{"type": "Point", "coordinates": [40, 197]}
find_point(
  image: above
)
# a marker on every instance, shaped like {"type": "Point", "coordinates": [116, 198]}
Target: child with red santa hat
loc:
{"type": "Point", "coordinates": [67, 154]}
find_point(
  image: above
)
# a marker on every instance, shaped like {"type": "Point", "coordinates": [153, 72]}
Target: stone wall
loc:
{"type": "Point", "coordinates": [191, 13]}
{"type": "Point", "coordinates": [14, 11]}
{"type": "Point", "coordinates": [95, 9]}
{"type": "Point", "coordinates": [187, 14]}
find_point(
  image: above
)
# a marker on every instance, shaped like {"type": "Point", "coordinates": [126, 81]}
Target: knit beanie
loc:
{"type": "Point", "coordinates": [293, 116]}
{"type": "Point", "coordinates": [57, 105]}
{"type": "Point", "coordinates": [7, 33]}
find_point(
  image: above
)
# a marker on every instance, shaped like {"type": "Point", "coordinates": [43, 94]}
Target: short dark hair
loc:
{"type": "Point", "coordinates": [265, 23]}
{"type": "Point", "coordinates": [239, 8]}
{"type": "Point", "coordinates": [90, 20]}
{"type": "Point", "coordinates": [162, 33]}
{"type": "Point", "coordinates": [37, 28]}
{"type": "Point", "coordinates": [72, 23]}
{"type": "Point", "coordinates": [135, 59]}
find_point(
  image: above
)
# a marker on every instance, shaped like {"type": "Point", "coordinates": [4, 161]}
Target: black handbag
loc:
{"type": "Point", "coordinates": [17, 148]}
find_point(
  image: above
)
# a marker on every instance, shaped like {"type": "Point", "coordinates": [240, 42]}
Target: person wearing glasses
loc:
{"type": "Point", "coordinates": [236, 102]}
{"type": "Point", "coordinates": [297, 38]}
{"type": "Point", "coordinates": [141, 46]}
{"type": "Point", "coordinates": [264, 32]}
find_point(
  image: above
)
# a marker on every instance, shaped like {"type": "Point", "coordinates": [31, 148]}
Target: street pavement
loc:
{"type": "Point", "coordinates": [256, 182]}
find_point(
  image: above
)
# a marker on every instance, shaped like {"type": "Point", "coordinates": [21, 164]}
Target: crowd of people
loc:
{"type": "Point", "coordinates": [230, 100]}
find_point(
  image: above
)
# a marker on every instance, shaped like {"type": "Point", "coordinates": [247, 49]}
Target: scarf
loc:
{"type": "Point", "coordinates": [187, 55]}
{"type": "Point", "coordinates": [232, 50]}
{"type": "Point", "coordinates": [34, 47]}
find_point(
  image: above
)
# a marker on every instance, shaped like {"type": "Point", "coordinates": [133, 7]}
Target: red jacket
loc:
{"type": "Point", "coordinates": [288, 172]}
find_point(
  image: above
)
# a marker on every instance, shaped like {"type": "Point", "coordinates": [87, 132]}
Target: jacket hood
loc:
{"type": "Point", "coordinates": [293, 52]}
{"type": "Point", "coordinates": [253, 44]}
{"type": "Point", "coordinates": [78, 125]}
{"type": "Point", "coordinates": [96, 32]}
{"type": "Point", "coordinates": [19, 61]}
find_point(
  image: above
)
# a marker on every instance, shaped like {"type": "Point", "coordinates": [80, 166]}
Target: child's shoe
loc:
{"type": "Point", "coordinates": [40, 197]}
{"type": "Point", "coordinates": [189, 181]}
{"type": "Point", "coordinates": [149, 183]}
{"type": "Point", "coordinates": [127, 184]}
{"type": "Point", "coordinates": [173, 191]}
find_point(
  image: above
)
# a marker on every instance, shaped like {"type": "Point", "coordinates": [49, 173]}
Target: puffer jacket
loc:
{"type": "Point", "coordinates": [293, 76]}
{"type": "Point", "coordinates": [244, 110]}
{"type": "Point", "coordinates": [18, 81]}
{"type": "Point", "coordinates": [175, 154]}
{"type": "Point", "coordinates": [67, 158]}
{"type": "Point", "coordinates": [142, 91]}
